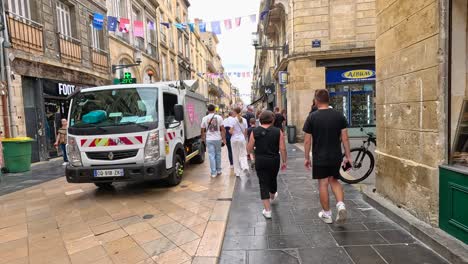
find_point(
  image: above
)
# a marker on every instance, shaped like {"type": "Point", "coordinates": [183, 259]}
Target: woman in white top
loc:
{"type": "Point", "coordinates": [239, 146]}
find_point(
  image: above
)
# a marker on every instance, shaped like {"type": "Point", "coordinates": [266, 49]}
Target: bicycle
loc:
{"type": "Point", "coordinates": [363, 159]}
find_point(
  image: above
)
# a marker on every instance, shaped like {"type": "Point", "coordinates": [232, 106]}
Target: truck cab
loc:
{"type": "Point", "coordinates": [136, 132]}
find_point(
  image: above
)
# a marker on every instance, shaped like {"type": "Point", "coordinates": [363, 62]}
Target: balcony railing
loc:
{"type": "Point", "coordinates": [100, 59]}
{"type": "Point", "coordinates": [25, 34]}
{"type": "Point", "coordinates": [152, 50]}
{"type": "Point", "coordinates": [70, 49]}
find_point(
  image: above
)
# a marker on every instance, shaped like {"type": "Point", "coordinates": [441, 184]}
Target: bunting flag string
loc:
{"type": "Point", "coordinates": [124, 24]}
{"type": "Point", "coordinates": [221, 75]}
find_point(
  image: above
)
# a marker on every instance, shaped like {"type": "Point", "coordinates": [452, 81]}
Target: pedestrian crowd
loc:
{"type": "Point", "coordinates": [259, 138]}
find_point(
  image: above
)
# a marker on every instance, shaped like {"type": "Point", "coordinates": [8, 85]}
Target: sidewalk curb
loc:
{"type": "Point", "coordinates": [451, 249]}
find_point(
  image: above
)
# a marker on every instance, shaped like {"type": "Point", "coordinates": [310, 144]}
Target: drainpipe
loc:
{"type": "Point", "coordinates": [12, 111]}
{"type": "Point", "coordinates": [6, 121]}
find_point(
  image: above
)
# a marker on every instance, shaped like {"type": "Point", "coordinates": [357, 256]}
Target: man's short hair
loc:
{"type": "Point", "coordinates": [277, 109]}
{"type": "Point", "coordinates": [322, 96]}
{"type": "Point", "coordinates": [252, 121]}
{"type": "Point", "coordinates": [267, 117]}
{"type": "Point", "coordinates": [211, 108]}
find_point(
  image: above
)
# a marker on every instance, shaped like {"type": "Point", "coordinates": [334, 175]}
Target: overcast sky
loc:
{"type": "Point", "coordinates": [235, 47]}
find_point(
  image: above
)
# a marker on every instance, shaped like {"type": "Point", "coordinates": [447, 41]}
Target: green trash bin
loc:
{"type": "Point", "coordinates": [17, 154]}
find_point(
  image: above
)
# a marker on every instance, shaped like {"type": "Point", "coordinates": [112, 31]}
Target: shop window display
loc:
{"type": "Point", "coordinates": [460, 149]}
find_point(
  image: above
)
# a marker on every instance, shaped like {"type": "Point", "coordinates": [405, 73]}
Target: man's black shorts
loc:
{"type": "Point", "coordinates": [322, 172]}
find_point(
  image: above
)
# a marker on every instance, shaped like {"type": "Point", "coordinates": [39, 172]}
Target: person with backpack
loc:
{"type": "Point", "coordinates": [214, 136]}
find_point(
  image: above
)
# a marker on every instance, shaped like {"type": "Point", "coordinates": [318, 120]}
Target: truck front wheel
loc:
{"type": "Point", "coordinates": [176, 176]}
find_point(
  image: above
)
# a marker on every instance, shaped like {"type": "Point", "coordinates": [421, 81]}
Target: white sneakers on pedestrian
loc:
{"type": "Point", "coordinates": [275, 199]}
{"type": "Point", "coordinates": [214, 175]}
{"type": "Point", "coordinates": [65, 164]}
{"type": "Point", "coordinates": [266, 214]}
{"type": "Point", "coordinates": [342, 214]}
{"type": "Point", "coordinates": [327, 218]}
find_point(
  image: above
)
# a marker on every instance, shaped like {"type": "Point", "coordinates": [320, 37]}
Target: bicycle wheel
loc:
{"type": "Point", "coordinates": [363, 165]}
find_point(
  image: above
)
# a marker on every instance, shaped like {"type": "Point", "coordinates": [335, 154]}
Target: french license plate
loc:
{"type": "Point", "coordinates": [109, 173]}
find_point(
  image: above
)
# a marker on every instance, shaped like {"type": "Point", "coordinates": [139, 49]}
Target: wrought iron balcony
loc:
{"type": "Point", "coordinates": [25, 34]}
{"type": "Point", "coordinates": [100, 59]}
{"type": "Point", "coordinates": [70, 49]}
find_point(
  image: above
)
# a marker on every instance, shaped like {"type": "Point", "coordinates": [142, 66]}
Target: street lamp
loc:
{"type": "Point", "coordinates": [258, 45]}
{"type": "Point", "coordinates": [124, 66]}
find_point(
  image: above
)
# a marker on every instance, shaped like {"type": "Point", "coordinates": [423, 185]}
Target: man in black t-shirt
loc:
{"type": "Point", "coordinates": [279, 119]}
{"type": "Point", "coordinates": [325, 130]}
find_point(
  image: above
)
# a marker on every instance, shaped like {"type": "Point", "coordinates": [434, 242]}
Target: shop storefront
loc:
{"type": "Point", "coordinates": [45, 104]}
{"type": "Point", "coordinates": [352, 92]}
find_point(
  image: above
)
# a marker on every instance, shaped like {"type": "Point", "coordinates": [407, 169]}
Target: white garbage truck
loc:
{"type": "Point", "coordinates": [134, 132]}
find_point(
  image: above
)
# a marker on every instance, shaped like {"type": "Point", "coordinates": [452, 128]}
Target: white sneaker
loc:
{"type": "Point", "coordinates": [65, 164]}
{"type": "Point", "coordinates": [325, 218]}
{"type": "Point", "coordinates": [275, 199]}
{"type": "Point", "coordinates": [342, 214]}
{"type": "Point", "coordinates": [213, 175]}
{"type": "Point", "coordinates": [266, 214]}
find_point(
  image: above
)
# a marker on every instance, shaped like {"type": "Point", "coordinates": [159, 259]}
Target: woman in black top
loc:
{"type": "Point", "coordinates": [268, 142]}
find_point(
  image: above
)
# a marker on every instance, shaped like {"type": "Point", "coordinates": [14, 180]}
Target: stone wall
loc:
{"type": "Point", "coordinates": [410, 105]}
{"type": "Point", "coordinates": [339, 24]}
{"type": "Point", "coordinates": [305, 78]}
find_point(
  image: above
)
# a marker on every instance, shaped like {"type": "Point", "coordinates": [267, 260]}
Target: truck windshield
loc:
{"type": "Point", "coordinates": [107, 109]}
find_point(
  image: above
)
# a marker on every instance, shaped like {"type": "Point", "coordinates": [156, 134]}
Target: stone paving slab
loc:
{"type": "Point", "coordinates": [296, 235]}
{"type": "Point", "coordinates": [149, 222]}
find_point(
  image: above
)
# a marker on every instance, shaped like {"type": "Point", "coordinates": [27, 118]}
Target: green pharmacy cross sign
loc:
{"type": "Point", "coordinates": [127, 79]}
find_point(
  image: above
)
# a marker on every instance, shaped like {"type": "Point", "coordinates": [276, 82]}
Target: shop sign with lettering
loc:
{"type": "Point", "coordinates": [65, 89]}
{"type": "Point", "coordinates": [353, 75]}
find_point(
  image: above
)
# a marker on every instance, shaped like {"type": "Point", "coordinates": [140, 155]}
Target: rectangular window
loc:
{"type": "Point", "coordinates": [63, 19]}
{"type": "Point", "coordinates": [181, 42]}
{"type": "Point", "coordinates": [173, 70]}
{"type": "Point", "coordinates": [187, 49]}
{"type": "Point", "coordinates": [171, 36]}
{"type": "Point", "coordinates": [136, 16]}
{"type": "Point", "coordinates": [163, 28]}
{"type": "Point", "coordinates": [152, 38]}
{"type": "Point", "coordinates": [164, 67]}
{"type": "Point", "coordinates": [20, 8]}
{"type": "Point", "coordinates": [97, 37]}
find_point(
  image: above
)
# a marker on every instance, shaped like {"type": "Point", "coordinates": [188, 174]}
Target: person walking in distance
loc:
{"type": "Point", "coordinates": [268, 142]}
{"type": "Point", "coordinates": [239, 145]}
{"type": "Point", "coordinates": [214, 135]}
{"type": "Point", "coordinates": [279, 119]}
{"type": "Point", "coordinates": [249, 114]}
{"type": "Point", "coordinates": [325, 130]}
{"type": "Point", "coordinates": [62, 140]}
{"type": "Point", "coordinates": [227, 123]}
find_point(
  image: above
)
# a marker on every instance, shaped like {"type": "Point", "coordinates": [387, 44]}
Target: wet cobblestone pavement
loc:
{"type": "Point", "coordinates": [296, 235]}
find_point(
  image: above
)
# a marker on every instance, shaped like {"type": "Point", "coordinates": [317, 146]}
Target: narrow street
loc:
{"type": "Point", "coordinates": [58, 223]}
{"type": "Point", "coordinates": [296, 235]}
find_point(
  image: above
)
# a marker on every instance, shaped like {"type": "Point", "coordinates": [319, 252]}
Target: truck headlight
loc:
{"type": "Point", "coordinates": [152, 147]}
{"type": "Point", "coordinates": [73, 153]}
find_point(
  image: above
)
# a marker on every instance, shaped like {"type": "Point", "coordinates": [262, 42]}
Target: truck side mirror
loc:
{"type": "Point", "coordinates": [179, 112]}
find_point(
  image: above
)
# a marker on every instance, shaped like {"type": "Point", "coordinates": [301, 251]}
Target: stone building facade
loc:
{"type": "Point", "coordinates": [311, 40]}
{"type": "Point", "coordinates": [54, 51]}
{"type": "Point", "coordinates": [127, 49]}
{"type": "Point", "coordinates": [422, 93]}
